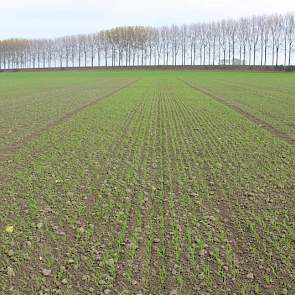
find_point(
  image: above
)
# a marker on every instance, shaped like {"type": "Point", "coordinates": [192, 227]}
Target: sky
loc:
{"type": "Point", "coordinates": [54, 18]}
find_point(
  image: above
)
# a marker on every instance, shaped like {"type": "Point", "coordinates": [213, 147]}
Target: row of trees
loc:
{"type": "Point", "coordinates": [257, 40]}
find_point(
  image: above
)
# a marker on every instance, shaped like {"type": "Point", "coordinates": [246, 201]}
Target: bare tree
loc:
{"type": "Point", "coordinates": [276, 31]}
{"type": "Point", "coordinates": [264, 36]}
{"type": "Point", "coordinates": [290, 35]}
{"type": "Point", "coordinates": [254, 36]}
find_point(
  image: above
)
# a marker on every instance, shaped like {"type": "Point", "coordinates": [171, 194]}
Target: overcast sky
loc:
{"type": "Point", "coordinates": [52, 18]}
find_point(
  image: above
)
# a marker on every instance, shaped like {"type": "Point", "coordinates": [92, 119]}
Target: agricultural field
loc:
{"type": "Point", "coordinates": [147, 182]}
{"type": "Point", "coordinates": [28, 106]}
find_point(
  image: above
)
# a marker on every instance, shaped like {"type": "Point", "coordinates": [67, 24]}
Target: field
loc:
{"type": "Point", "coordinates": [147, 183]}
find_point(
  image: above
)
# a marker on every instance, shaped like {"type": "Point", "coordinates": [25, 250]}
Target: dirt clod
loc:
{"type": "Point", "coordinates": [46, 272]}
{"type": "Point", "coordinates": [10, 272]}
{"type": "Point", "coordinates": [250, 276]}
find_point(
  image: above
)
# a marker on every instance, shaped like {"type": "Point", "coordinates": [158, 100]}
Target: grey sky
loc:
{"type": "Point", "coordinates": [51, 18]}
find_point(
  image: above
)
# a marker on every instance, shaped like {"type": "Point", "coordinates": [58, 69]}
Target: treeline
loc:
{"type": "Point", "coordinates": [257, 40]}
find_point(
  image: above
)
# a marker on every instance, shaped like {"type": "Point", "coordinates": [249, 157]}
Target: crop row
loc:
{"type": "Point", "coordinates": [271, 100]}
{"type": "Point", "coordinates": [155, 190]}
{"type": "Point", "coordinates": [30, 105]}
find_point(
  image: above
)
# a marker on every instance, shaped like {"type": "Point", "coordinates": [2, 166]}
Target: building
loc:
{"type": "Point", "coordinates": [236, 62]}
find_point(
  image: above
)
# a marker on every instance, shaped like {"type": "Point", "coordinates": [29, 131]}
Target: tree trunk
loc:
{"type": "Point", "coordinates": [265, 53]}
{"type": "Point", "coordinates": [290, 50]}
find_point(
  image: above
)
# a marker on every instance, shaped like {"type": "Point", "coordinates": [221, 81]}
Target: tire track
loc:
{"type": "Point", "coordinates": [91, 200]}
{"type": "Point", "coordinates": [11, 149]}
{"type": "Point", "coordinates": [259, 122]}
